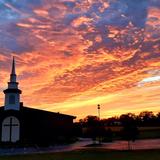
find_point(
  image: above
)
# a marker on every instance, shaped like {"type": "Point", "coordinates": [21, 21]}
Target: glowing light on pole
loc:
{"type": "Point", "coordinates": [98, 107]}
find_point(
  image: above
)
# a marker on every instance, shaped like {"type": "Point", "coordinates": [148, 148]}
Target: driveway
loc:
{"type": "Point", "coordinates": [82, 144]}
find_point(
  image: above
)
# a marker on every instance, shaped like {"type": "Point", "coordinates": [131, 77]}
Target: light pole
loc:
{"type": "Point", "coordinates": [98, 107]}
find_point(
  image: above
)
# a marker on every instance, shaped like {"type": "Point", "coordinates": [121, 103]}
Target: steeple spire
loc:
{"type": "Point", "coordinates": [12, 93]}
{"type": "Point", "coordinates": [13, 67]}
{"type": "Point", "coordinates": [13, 72]}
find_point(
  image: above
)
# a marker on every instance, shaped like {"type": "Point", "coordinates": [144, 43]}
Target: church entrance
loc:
{"type": "Point", "coordinates": [10, 129]}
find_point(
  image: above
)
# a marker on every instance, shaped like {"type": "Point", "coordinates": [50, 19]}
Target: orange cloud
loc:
{"type": "Point", "coordinates": [41, 12]}
{"type": "Point", "coordinates": [81, 20]}
{"type": "Point", "coordinates": [24, 25]}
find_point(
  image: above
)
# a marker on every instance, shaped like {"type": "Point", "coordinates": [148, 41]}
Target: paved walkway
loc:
{"type": "Point", "coordinates": [51, 149]}
{"type": "Point", "coordinates": [137, 145]}
{"type": "Point", "coordinates": [82, 144]}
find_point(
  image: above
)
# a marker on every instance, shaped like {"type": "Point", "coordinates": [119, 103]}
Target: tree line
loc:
{"type": "Point", "coordinates": [128, 126]}
{"type": "Point", "coordinates": [145, 118]}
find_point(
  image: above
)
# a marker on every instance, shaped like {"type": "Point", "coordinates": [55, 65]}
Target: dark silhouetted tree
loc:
{"type": "Point", "coordinates": [147, 118]}
{"type": "Point", "coordinates": [130, 129]}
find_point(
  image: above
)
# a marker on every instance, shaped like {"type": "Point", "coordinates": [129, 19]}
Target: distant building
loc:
{"type": "Point", "coordinates": [20, 124]}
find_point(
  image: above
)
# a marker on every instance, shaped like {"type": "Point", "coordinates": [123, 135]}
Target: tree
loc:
{"type": "Point", "coordinates": [147, 118]}
{"type": "Point", "coordinates": [90, 123]}
{"type": "Point", "coordinates": [130, 129]}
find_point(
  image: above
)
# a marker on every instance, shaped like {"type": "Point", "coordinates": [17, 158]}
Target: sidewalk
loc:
{"type": "Point", "coordinates": [82, 144]}
{"type": "Point", "coordinates": [59, 148]}
{"type": "Point", "coordinates": [137, 145]}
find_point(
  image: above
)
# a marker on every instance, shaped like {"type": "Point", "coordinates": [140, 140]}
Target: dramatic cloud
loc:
{"type": "Point", "coordinates": [72, 55]}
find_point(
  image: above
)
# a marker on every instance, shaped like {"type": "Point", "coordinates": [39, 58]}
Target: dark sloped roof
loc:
{"type": "Point", "coordinates": [1, 108]}
{"type": "Point", "coordinates": [42, 112]}
{"type": "Point", "coordinates": [46, 112]}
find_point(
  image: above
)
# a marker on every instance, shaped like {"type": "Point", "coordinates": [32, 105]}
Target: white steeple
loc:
{"type": "Point", "coordinates": [13, 72]}
{"type": "Point", "coordinates": [13, 83]}
{"type": "Point", "coordinates": [12, 93]}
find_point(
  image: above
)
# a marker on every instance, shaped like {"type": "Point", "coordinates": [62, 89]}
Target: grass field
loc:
{"type": "Point", "coordinates": [91, 154]}
{"type": "Point", "coordinates": [144, 132]}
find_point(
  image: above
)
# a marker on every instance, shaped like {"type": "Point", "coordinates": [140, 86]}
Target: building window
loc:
{"type": "Point", "coordinates": [12, 99]}
{"type": "Point", "coordinates": [10, 130]}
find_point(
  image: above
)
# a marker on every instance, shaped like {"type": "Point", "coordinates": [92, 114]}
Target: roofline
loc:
{"type": "Point", "coordinates": [74, 117]}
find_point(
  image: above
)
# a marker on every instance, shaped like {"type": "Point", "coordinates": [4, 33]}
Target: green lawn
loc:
{"type": "Point", "coordinates": [91, 154]}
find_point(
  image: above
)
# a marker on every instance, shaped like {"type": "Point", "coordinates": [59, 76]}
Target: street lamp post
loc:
{"type": "Point", "coordinates": [98, 107]}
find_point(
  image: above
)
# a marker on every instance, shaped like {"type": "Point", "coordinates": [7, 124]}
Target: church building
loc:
{"type": "Point", "coordinates": [24, 125]}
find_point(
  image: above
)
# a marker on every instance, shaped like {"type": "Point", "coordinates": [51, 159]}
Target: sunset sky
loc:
{"type": "Point", "coordinates": [74, 54]}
